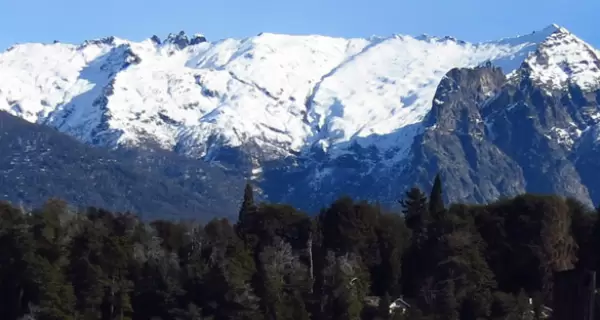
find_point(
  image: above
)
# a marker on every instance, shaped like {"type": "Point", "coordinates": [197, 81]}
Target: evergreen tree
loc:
{"type": "Point", "coordinates": [436, 200]}
{"type": "Point", "coordinates": [416, 260]}
{"type": "Point", "coordinates": [17, 250]}
{"type": "Point", "coordinates": [459, 256]}
{"type": "Point", "coordinates": [247, 217]}
{"type": "Point", "coordinates": [248, 205]}
{"type": "Point", "coordinates": [278, 263]}
{"type": "Point", "coordinates": [350, 227]}
{"type": "Point", "coordinates": [416, 214]}
{"type": "Point", "coordinates": [53, 294]}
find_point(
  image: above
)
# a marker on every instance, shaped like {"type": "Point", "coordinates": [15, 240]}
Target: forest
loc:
{"type": "Point", "coordinates": [353, 260]}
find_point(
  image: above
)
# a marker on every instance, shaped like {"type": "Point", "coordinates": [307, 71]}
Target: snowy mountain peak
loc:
{"type": "Point", "coordinates": [106, 41]}
{"type": "Point", "coordinates": [197, 39]}
{"type": "Point", "coordinates": [557, 28]}
{"type": "Point", "coordinates": [156, 40]}
{"type": "Point", "coordinates": [283, 95]}
{"type": "Point", "coordinates": [552, 28]}
{"type": "Point", "coordinates": [181, 40]}
{"type": "Point", "coordinates": [563, 59]}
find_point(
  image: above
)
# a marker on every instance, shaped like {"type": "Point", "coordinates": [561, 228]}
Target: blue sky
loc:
{"type": "Point", "coordinates": [470, 20]}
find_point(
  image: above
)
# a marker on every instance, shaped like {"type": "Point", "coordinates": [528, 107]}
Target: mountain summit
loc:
{"type": "Point", "coordinates": [314, 117]}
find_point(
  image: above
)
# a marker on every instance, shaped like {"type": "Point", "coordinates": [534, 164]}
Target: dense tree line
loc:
{"type": "Point", "coordinates": [348, 262]}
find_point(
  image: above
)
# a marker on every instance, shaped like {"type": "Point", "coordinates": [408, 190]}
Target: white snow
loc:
{"type": "Point", "coordinates": [565, 137]}
{"type": "Point", "coordinates": [285, 93]}
{"type": "Point", "coordinates": [564, 58]}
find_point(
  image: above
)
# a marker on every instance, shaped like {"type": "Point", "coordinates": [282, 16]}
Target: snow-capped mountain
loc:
{"type": "Point", "coordinates": [302, 115]}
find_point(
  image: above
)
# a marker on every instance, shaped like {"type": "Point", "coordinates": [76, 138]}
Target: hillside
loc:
{"type": "Point", "coordinates": [38, 163]}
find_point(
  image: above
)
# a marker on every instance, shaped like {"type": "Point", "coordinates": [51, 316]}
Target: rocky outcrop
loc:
{"type": "Point", "coordinates": [456, 143]}
{"type": "Point", "coordinates": [197, 39]}
{"type": "Point", "coordinates": [181, 40]}
{"type": "Point", "coordinates": [490, 136]}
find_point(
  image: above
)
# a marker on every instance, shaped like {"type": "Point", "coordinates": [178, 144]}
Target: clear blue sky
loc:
{"type": "Point", "coordinates": [470, 20]}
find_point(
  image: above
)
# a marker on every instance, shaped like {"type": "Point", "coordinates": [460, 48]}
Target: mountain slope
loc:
{"type": "Point", "coordinates": [312, 117]}
{"type": "Point", "coordinates": [535, 131]}
{"type": "Point", "coordinates": [38, 162]}
{"type": "Point", "coordinates": [282, 92]}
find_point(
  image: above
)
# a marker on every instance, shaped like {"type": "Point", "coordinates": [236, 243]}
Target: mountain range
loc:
{"type": "Point", "coordinates": [310, 118]}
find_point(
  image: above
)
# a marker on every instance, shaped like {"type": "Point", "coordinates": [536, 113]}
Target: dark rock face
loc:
{"type": "Point", "coordinates": [155, 39]}
{"type": "Point", "coordinates": [180, 40]}
{"type": "Point", "coordinates": [455, 141]}
{"type": "Point", "coordinates": [526, 122]}
{"type": "Point", "coordinates": [106, 40]}
{"type": "Point", "coordinates": [490, 137]}
{"type": "Point", "coordinates": [586, 161]}
{"type": "Point", "coordinates": [197, 39]}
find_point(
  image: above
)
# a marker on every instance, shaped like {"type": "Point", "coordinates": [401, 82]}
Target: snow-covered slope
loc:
{"type": "Point", "coordinates": [286, 110]}
{"type": "Point", "coordinates": [285, 93]}
{"type": "Point", "coordinates": [563, 58]}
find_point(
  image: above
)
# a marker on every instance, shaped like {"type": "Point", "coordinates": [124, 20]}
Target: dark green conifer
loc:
{"type": "Point", "coordinates": [436, 200]}
{"type": "Point", "coordinates": [415, 210]}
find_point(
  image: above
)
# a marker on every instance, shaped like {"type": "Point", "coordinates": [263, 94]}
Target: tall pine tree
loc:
{"type": "Point", "coordinates": [416, 213]}
{"type": "Point", "coordinates": [247, 204]}
{"type": "Point", "coordinates": [436, 200]}
{"type": "Point", "coordinates": [246, 215]}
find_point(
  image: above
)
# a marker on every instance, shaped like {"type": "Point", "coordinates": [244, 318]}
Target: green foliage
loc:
{"type": "Point", "coordinates": [349, 227]}
{"type": "Point", "coordinates": [247, 214]}
{"type": "Point", "coordinates": [247, 205]}
{"type": "Point", "coordinates": [458, 262]}
{"type": "Point", "coordinates": [436, 200]}
{"type": "Point", "coordinates": [393, 239]}
{"type": "Point", "coordinates": [415, 209]}
{"type": "Point", "coordinates": [52, 293]}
